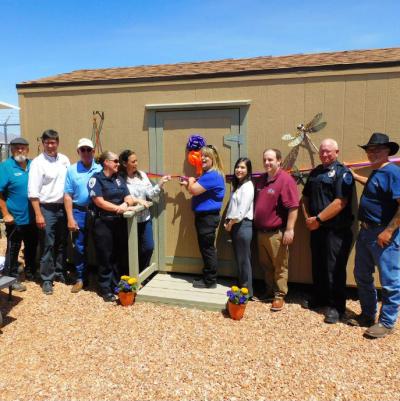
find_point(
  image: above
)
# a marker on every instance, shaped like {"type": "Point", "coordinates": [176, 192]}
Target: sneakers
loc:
{"type": "Point", "coordinates": [332, 316]}
{"type": "Point", "coordinates": [47, 287]}
{"type": "Point", "coordinates": [201, 284]}
{"type": "Point", "coordinates": [277, 304]}
{"type": "Point", "coordinates": [378, 330]}
{"type": "Point", "coordinates": [77, 286]}
{"type": "Point", "coordinates": [18, 286]}
{"type": "Point", "coordinates": [361, 321]}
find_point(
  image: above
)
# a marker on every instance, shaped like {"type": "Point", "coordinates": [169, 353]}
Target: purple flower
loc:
{"type": "Point", "coordinates": [116, 290]}
{"type": "Point", "coordinates": [195, 142]}
{"type": "Point", "coordinates": [242, 299]}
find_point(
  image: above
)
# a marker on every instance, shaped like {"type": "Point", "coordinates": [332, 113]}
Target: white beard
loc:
{"type": "Point", "coordinates": [20, 158]}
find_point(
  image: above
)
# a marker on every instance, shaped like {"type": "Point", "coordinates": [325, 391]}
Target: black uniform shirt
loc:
{"type": "Point", "coordinates": [113, 189]}
{"type": "Point", "coordinates": [326, 184]}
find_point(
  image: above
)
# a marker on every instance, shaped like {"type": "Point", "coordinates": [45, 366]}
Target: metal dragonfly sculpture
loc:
{"type": "Point", "coordinates": [302, 138]}
{"type": "Point", "coordinates": [304, 131]}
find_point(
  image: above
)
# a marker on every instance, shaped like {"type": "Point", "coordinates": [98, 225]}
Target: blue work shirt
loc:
{"type": "Point", "coordinates": [113, 189]}
{"type": "Point", "coordinates": [76, 182]}
{"type": "Point", "coordinates": [211, 199]}
{"type": "Point", "coordinates": [378, 203]}
{"type": "Point", "coordinates": [14, 186]}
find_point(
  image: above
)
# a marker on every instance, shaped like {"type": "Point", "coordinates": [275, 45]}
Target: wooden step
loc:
{"type": "Point", "coordinates": [177, 289]}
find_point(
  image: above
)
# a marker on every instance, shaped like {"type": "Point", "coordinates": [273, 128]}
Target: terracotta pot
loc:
{"type": "Point", "coordinates": [236, 312]}
{"type": "Point", "coordinates": [126, 298]}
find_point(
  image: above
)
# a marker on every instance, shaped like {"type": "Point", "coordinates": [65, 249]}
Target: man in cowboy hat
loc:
{"type": "Point", "coordinates": [379, 238]}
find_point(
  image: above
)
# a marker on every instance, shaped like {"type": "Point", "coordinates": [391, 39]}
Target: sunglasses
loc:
{"type": "Point", "coordinates": [116, 161]}
{"type": "Point", "coordinates": [85, 149]}
{"type": "Point", "coordinates": [211, 147]}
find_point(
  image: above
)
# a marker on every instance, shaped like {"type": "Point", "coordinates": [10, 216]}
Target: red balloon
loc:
{"type": "Point", "coordinates": [194, 158]}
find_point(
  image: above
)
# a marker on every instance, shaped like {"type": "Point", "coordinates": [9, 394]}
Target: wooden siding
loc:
{"type": "Point", "coordinates": [354, 104]}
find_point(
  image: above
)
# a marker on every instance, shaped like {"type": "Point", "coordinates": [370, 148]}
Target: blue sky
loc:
{"type": "Point", "coordinates": [41, 37]}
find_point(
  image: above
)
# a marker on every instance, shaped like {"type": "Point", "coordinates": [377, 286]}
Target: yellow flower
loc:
{"type": "Point", "coordinates": [234, 288]}
{"type": "Point", "coordinates": [132, 281]}
{"type": "Point", "coordinates": [245, 291]}
{"type": "Point", "coordinates": [125, 278]}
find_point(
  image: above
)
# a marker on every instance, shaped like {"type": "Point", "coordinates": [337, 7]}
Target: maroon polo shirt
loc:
{"type": "Point", "coordinates": [274, 198]}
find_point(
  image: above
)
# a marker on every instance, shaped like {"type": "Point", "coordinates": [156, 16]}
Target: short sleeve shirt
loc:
{"type": "Point", "coordinates": [14, 186]}
{"type": "Point", "coordinates": [113, 189]}
{"type": "Point", "coordinates": [324, 185]}
{"type": "Point", "coordinates": [378, 203]}
{"type": "Point", "coordinates": [76, 182]}
{"type": "Point", "coordinates": [274, 197]}
{"type": "Point", "coordinates": [211, 199]}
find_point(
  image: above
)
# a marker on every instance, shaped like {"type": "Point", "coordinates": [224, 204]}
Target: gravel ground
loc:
{"type": "Point", "coordinates": [76, 347]}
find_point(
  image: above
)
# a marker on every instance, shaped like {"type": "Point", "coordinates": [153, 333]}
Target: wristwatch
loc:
{"type": "Point", "coordinates": [318, 219]}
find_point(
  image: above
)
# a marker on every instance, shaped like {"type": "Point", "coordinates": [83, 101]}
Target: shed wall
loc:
{"type": "Point", "coordinates": [354, 105]}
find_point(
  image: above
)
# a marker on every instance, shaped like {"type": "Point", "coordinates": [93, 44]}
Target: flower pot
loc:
{"type": "Point", "coordinates": [126, 298]}
{"type": "Point", "coordinates": [236, 312]}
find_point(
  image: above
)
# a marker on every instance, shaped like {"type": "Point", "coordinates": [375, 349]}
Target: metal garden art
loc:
{"type": "Point", "coordinates": [237, 301]}
{"type": "Point", "coordinates": [126, 290]}
{"type": "Point", "coordinates": [96, 131]}
{"type": "Point", "coordinates": [302, 138]}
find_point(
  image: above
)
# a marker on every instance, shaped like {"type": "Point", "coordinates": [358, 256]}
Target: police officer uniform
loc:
{"type": "Point", "coordinates": [331, 242]}
{"type": "Point", "coordinates": [109, 232]}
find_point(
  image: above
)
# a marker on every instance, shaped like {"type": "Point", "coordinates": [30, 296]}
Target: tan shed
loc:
{"type": "Point", "coordinates": [242, 106]}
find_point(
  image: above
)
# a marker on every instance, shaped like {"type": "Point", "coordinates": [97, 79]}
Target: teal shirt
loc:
{"type": "Point", "coordinates": [14, 186]}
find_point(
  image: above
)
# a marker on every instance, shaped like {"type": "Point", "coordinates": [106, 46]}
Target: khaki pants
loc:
{"type": "Point", "coordinates": [273, 257]}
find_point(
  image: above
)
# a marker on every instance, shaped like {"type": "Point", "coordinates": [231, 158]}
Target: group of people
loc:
{"type": "Point", "coordinates": [44, 199]}
{"type": "Point", "coordinates": [47, 197]}
{"type": "Point", "coordinates": [268, 205]}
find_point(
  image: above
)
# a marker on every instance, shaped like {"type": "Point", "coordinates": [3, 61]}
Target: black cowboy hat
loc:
{"type": "Point", "coordinates": [377, 138]}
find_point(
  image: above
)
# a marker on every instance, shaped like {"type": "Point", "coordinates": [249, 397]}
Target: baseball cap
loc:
{"type": "Point", "coordinates": [85, 142]}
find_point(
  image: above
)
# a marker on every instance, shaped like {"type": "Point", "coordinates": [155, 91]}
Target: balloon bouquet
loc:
{"type": "Point", "coordinates": [194, 145]}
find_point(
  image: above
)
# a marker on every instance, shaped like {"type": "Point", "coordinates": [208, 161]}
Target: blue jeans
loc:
{"type": "Point", "coordinates": [242, 234]}
{"type": "Point", "coordinates": [80, 240]}
{"type": "Point", "coordinates": [369, 254]}
{"type": "Point", "coordinates": [53, 242]}
{"type": "Point", "coordinates": [145, 243]}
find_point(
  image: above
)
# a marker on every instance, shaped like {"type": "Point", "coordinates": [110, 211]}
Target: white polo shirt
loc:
{"type": "Point", "coordinates": [47, 178]}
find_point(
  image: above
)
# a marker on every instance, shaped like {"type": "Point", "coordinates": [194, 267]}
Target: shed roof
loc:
{"type": "Point", "coordinates": [224, 68]}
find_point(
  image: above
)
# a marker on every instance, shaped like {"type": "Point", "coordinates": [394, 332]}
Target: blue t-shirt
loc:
{"type": "Point", "coordinates": [76, 182]}
{"type": "Point", "coordinates": [211, 199]}
{"type": "Point", "coordinates": [378, 203]}
{"type": "Point", "coordinates": [14, 186]}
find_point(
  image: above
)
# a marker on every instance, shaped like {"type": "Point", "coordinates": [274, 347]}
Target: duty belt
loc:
{"type": "Point", "coordinates": [81, 208]}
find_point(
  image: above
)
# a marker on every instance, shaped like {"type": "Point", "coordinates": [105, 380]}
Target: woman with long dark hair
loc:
{"type": "Point", "coordinates": [239, 220]}
{"type": "Point", "coordinates": [141, 190]}
{"type": "Point", "coordinates": [208, 193]}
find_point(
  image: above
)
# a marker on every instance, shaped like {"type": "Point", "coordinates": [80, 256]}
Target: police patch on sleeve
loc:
{"type": "Point", "coordinates": [92, 182]}
{"type": "Point", "coordinates": [92, 194]}
{"type": "Point", "coordinates": [347, 178]}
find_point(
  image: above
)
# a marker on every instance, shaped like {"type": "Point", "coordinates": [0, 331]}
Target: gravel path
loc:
{"type": "Point", "coordinates": [76, 347]}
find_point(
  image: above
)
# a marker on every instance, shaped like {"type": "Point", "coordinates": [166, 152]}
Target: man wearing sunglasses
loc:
{"type": "Point", "coordinates": [76, 201]}
{"type": "Point", "coordinates": [46, 193]}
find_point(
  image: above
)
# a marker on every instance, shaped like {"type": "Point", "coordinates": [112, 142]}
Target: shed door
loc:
{"type": "Point", "coordinates": [178, 250]}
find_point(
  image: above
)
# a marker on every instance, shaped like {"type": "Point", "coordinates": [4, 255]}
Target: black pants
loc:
{"type": "Point", "coordinates": [206, 226]}
{"type": "Point", "coordinates": [330, 249]}
{"type": "Point", "coordinates": [111, 243]}
{"type": "Point", "coordinates": [15, 235]}
{"type": "Point", "coordinates": [53, 242]}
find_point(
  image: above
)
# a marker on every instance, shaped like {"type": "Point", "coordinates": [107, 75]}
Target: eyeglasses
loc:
{"type": "Point", "coordinates": [116, 161]}
{"type": "Point", "coordinates": [85, 149]}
